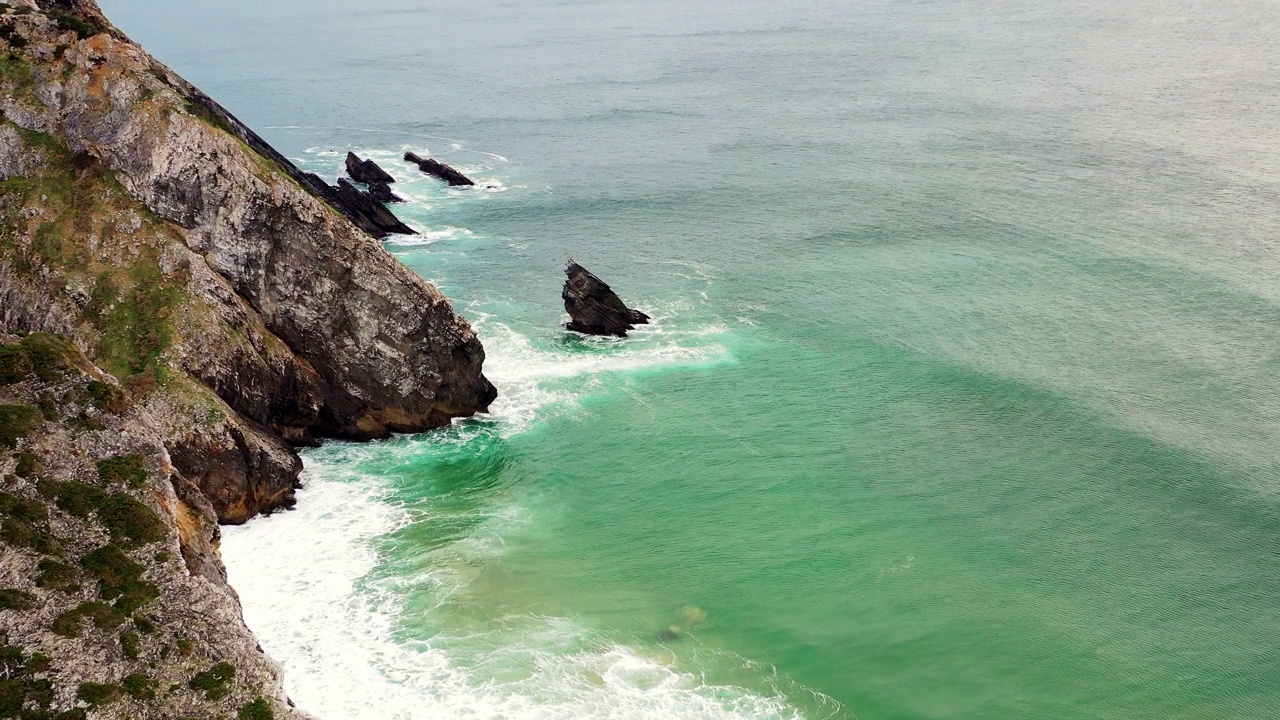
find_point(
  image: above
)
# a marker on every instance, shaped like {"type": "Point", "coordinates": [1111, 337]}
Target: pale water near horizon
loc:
{"type": "Point", "coordinates": [962, 399]}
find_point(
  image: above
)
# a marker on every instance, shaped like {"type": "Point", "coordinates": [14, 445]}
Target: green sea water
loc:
{"type": "Point", "coordinates": [961, 399]}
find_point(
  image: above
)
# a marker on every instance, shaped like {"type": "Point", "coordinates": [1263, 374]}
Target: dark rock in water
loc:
{"type": "Point", "coordinates": [438, 169]}
{"type": "Point", "coordinates": [381, 192]}
{"type": "Point", "coordinates": [380, 218]}
{"type": "Point", "coordinates": [366, 171]}
{"type": "Point", "coordinates": [594, 308]}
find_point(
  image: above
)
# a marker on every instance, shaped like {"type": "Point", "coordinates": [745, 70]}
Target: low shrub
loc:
{"type": "Point", "coordinates": [119, 578]}
{"type": "Point", "coordinates": [140, 686]}
{"type": "Point", "coordinates": [28, 464]}
{"type": "Point", "coordinates": [15, 364]}
{"type": "Point", "coordinates": [16, 422]}
{"type": "Point", "coordinates": [214, 682]}
{"type": "Point", "coordinates": [130, 644]}
{"type": "Point", "coordinates": [108, 397]}
{"type": "Point", "coordinates": [58, 576]}
{"type": "Point", "coordinates": [24, 534]}
{"type": "Point", "coordinates": [13, 599]}
{"type": "Point", "coordinates": [104, 617]}
{"type": "Point", "coordinates": [98, 695]}
{"type": "Point", "coordinates": [130, 470]}
{"type": "Point", "coordinates": [131, 520]}
{"type": "Point", "coordinates": [259, 709]}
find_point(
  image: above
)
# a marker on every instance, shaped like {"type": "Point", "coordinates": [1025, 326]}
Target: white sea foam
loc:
{"type": "Point", "coordinates": [427, 237]}
{"type": "Point", "coordinates": [531, 378]}
{"type": "Point", "coordinates": [303, 578]}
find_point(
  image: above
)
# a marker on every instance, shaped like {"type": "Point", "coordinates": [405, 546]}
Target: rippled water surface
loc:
{"type": "Point", "coordinates": [961, 401]}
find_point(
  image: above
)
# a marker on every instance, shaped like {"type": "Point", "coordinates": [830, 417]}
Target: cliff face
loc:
{"type": "Point", "coordinates": [232, 296]}
{"type": "Point", "coordinates": [113, 601]}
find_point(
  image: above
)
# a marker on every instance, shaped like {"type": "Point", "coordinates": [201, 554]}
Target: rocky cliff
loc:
{"type": "Point", "coordinates": [227, 299]}
{"type": "Point", "coordinates": [113, 601]}
{"type": "Point", "coordinates": [193, 263]}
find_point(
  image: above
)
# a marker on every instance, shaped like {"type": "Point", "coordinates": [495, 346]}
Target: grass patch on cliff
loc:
{"type": "Point", "coordinates": [15, 364]}
{"type": "Point", "coordinates": [21, 694]}
{"type": "Point", "coordinates": [26, 524]}
{"type": "Point", "coordinates": [13, 599]}
{"type": "Point", "coordinates": [135, 322]}
{"type": "Point", "coordinates": [130, 644]}
{"type": "Point", "coordinates": [28, 464]}
{"type": "Point", "coordinates": [97, 695]}
{"type": "Point", "coordinates": [119, 578]}
{"type": "Point", "coordinates": [18, 72]}
{"type": "Point", "coordinates": [140, 686]}
{"type": "Point", "coordinates": [50, 358]}
{"type": "Point", "coordinates": [108, 397]}
{"type": "Point", "coordinates": [16, 422]}
{"type": "Point", "coordinates": [130, 470]}
{"type": "Point", "coordinates": [215, 682]}
{"type": "Point", "coordinates": [130, 521]}
{"type": "Point", "coordinates": [104, 617]}
{"type": "Point", "coordinates": [57, 575]}
{"type": "Point", "coordinates": [259, 709]}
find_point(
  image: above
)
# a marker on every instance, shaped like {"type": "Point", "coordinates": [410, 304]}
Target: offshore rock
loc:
{"type": "Point", "coordinates": [369, 207]}
{"type": "Point", "coordinates": [366, 171]}
{"type": "Point", "coordinates": [594, 308]}
{"type": "Point", "coordinates": [439, 169]}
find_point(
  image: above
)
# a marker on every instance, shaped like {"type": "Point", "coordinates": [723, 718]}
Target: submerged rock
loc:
{"type": "Point", "coordinates": [594, 308]}
{"type": "Point", "coordinates": [381, 218]}
{"type": "Point", "coordinates": [366, 171]}
{"type": "Point", "coordinates": [439, 169]}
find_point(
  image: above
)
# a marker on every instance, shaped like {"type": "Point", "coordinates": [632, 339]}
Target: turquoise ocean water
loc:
{"type": "Point", "coordinates": [962, 401]}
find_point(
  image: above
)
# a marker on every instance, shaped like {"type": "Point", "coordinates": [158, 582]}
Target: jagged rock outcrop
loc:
{"type": "Point", "coordinates": [114, 603]}
{"type": "Point", "coordinates": [369, 207]}
{"type": "Point", "coordinates": [229, 292]}
{"type": "Point", "coordinates": [374, 177]}
{"type": "Point", "coordinates": [381, 192]}
{"type": "Point", "coordinates": [594, 308]}
{"type": "Point", "coordinates": [439, 169]}
{"type": "Point", "coordinates": [366, 171]}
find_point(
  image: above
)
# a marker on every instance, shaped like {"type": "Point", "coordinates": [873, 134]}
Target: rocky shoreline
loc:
{"type": "Point", "coordinates": [206, 308]}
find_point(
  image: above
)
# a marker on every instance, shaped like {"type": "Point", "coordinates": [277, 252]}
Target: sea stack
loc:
{"type": "Point", "coordinates": [366, 171]}
{"type": "Point", "coordinates": [439, 169]}
{"type": "Point", "coordinates": [594, 308]}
